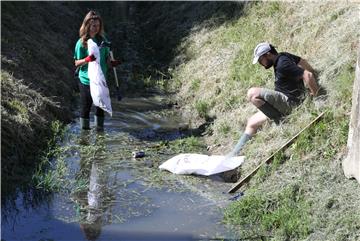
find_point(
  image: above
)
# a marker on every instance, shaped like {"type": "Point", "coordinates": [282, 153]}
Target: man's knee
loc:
{"type": "Point", "coordinates": [253, 93]}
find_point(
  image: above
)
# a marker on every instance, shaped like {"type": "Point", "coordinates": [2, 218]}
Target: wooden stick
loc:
{"type": "Point", "coordinates": [237, 185]}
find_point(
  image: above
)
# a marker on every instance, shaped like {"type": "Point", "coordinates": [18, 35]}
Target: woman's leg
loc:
{"type": "Point", "coordinates": [85, 106]}
{"type": "Point", "coordinates": [99, 119]}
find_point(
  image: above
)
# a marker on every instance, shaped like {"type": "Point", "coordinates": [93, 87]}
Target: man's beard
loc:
{"type": "Point", "coordinates": [269, 64]}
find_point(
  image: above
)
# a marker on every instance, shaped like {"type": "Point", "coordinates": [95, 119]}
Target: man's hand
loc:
{"type": "Point", "coordinates": [115, 63]}
{"type": "Point", "coordinates": [90, 58]}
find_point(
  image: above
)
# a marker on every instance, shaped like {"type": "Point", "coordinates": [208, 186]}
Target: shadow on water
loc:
{"type": "Point", "coordinates": [150, 121]}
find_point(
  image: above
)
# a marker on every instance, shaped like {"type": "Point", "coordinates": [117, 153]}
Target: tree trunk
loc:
{"type": "Point", "coordinates": [351, 165]}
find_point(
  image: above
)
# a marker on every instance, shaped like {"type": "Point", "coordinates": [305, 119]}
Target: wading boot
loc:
{"type": "Point", "coordinates": [84, 124]}
{"type": "Point", "coordinates": [99, 123]}
{"type": "Point", "coordinates": [243, 139]}
{"type": "Point", "coordinates": [84, 138]}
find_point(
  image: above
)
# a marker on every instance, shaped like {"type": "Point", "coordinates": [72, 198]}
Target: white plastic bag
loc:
{"type": "Point", "coordinates": [98, 87]}
{"type": "Point", "coordinates": [201, 164]}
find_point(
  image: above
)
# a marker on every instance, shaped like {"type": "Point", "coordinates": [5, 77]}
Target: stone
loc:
{"type": "Point", "coordinates": [351, 164]}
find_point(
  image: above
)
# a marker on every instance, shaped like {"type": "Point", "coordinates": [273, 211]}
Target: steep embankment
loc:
{"type": "Point", "coordinates": [37, 82]}
{"type": "Point", "coordinates": [304, 195]}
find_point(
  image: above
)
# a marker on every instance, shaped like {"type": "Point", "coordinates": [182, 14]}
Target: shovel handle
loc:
{"type": "Point", "coordinates": [116, 78]}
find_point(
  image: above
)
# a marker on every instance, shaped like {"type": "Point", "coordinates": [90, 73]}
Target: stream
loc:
{"type": "Point", "coordinates": [110, 195]}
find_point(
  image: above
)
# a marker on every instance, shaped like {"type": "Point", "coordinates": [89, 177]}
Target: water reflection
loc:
{"type": "Point", "coordinates": [92, 195]}
{"type": "Point", "coordinates": [149, 204]}
{"type": "Point", "coordinates": [24, 198]}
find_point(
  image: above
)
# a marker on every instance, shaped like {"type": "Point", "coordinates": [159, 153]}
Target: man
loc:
{"type": "Point", "coordinates": [292, 75]}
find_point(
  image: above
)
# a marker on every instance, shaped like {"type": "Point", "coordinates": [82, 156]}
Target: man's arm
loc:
{"type": "Point", "coordinates": [305, 65]}
{"type": "Point", "coordinates": [308, 77]}
{"type": "Point", "coordinates": [310, 82]}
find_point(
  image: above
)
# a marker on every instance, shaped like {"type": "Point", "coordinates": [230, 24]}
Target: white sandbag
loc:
{"type": "Point", "coordinates": [98, 87]}
{"type": "Point", "coordinates": [201, 164]}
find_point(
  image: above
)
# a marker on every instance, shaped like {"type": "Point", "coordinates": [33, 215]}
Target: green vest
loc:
{"type": "Point", "coordinates": [81, 52]}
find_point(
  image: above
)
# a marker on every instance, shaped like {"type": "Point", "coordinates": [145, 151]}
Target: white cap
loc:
{"type": "Point", "coordinates": [261, 49]}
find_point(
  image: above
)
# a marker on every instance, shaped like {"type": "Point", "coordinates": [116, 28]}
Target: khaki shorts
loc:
{"type": "Point", "coordinates": [277, 99]}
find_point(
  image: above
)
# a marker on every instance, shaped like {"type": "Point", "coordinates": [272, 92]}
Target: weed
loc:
{"type": "Point", "coordinates": [195, 85]}
{"type": "Point", "coordinates": [224, 128]}
{"type": "Point", "coordinates": [188, 144]}
{"type": "Point", "coordinates": [202, 107]}
{"type": "Point", "coordinates": [49, 174]}
{"type": "Point", "coordinates": [281, 214]}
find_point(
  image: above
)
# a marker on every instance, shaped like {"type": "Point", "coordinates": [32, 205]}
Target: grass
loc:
{"type": "Point", "coordinates": [220, 57]}
{"type": "Point", "coordinates": [49, 174]}
{"type": "Point", "coordinates": [322, 183]}
{"type": "Point", "coordinates": [224, 64]}
{"type": "Point", "coordinates": [282, 214]}
{"type": "Point", "coordinates": [37, 85]}
{"type": "Point", "coordinates": [188, 144]}
{"type": "Point", "coordinates": [202, 107]}
{"type": "Point", "coordinates": [25, 128]}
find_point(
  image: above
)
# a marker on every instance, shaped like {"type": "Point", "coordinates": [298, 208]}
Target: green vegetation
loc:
{"type": "Point", "coordinates": [49, 175]}
{"type": "Point", "coordinates": [202, 108]}
{"type": "Point", "coordinates": [27, 126]}
{"type": "Point", "coordinates": [323, 187]}
{"type": "Point", "coordinates": [188, 144]}
{"type": "Point", "coordinates": [282, 214]}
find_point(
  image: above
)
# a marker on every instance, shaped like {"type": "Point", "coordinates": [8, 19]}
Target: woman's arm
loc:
{"type": "Point", "coordinates": [85, 60]}
{"type": "Point", "coordinates": [80, 62]}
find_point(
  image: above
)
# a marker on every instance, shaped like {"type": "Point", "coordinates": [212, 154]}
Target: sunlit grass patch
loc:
{"type": "Point", "coordinates": [272, 215]}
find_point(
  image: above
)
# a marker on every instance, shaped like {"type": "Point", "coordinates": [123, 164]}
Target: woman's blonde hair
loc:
{"type": "Point", "coordinates": [85, 27]}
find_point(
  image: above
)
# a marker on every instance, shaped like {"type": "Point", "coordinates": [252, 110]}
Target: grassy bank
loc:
{"type": "Point", "coordinates": [304, 194]}
{"type": "Point", "coordinates": [37, 85]}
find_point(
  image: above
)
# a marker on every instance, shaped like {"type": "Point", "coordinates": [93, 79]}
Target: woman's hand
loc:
{"type": "Point", "coordinates": [90, 58]}
{"type": "Point", "coordinates": [114, 63]}
{"type": "Point", "coordinates": [85, 60]}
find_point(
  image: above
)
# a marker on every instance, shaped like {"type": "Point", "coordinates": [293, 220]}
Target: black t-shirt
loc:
{"type": "Point", "coordinates": [288, 76]}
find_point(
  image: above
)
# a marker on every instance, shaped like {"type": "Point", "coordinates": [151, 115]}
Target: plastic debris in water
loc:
{"type": "Point", "coordinates": [138, 154]}
{"type": "Point", "coordinates": [237, 196]}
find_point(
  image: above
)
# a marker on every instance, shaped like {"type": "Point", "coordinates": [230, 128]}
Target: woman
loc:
{"type": "Point", "coordinates": [92, 27]}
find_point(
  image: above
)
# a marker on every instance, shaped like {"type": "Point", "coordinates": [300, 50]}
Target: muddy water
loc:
{"type": "Point", "coordinates": [109, 195]}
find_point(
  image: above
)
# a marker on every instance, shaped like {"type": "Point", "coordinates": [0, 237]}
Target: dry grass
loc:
{"type": "Point", "coordinates": [218, 72]}
{"type": "Point", "coordinates": [222, 62]}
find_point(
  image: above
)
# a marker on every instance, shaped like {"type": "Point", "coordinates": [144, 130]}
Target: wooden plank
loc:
{"type": "Point", "coordinates": [237, 185]}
